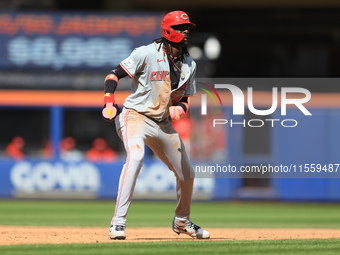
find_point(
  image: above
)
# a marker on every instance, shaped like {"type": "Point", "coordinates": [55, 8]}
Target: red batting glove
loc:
{"type": "Point", "coordinates": [110, 110]}
{"type": "Point", "coordinates": [176, 112]}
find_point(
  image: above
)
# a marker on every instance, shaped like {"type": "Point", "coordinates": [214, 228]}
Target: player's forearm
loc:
{"type": "Point", "coordinates": [112, 79]}
{"type": "Point", "coordinates": [111, 109]}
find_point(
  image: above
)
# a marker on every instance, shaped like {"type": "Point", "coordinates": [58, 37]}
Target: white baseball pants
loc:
{"type": "Point", "coordinates": [136, 130]}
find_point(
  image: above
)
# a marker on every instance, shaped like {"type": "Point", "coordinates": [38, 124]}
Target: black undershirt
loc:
{"type": "Point", "coordinates": [175, 71]}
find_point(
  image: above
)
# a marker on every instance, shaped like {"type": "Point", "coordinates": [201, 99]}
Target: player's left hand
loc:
{"type": "Point", "coordinates": [176, 112]}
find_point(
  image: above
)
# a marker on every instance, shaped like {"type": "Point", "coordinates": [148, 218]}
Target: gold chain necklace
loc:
{"type": "Point", "coordinates": [180, 69]}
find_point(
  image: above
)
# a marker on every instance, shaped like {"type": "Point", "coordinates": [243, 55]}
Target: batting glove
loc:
{"type": "Point", "coordinates": [111, 109]}
{"type": "Point", "coordinates": [176, 112]}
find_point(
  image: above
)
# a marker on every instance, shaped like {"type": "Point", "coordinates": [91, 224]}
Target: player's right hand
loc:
{"type": "Point", "coordinates": [110, 110]}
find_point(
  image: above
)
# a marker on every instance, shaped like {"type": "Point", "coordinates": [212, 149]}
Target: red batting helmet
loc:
{"type": "Point", "coordinates": [172, 19]}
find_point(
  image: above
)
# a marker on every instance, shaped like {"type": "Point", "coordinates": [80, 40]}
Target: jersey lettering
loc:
{"type": "Point", "coordinates": [159, 76]}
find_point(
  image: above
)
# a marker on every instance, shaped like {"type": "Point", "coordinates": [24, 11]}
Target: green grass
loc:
{"type": "Point", "coordinates": [160, 214]}
{"type": "Point", "coordinates": [282, 247]}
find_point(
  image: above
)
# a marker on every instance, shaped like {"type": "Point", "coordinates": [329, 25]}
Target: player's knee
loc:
{"type": "Point", "coordinates": [192, 174]}
{"type": "Point", "coordinates": [137, 157]}
{"type": "Point", "coordinates": [186, 177]}
{"type": "Point", "coordinates": [188, 173]}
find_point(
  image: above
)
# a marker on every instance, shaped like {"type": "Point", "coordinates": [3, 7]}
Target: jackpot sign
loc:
{"type": "Point", "coordinates": [72, 40]}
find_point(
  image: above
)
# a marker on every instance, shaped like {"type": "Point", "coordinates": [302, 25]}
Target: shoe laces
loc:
{"type": "Point", "coordinates": [192, 225]}
{"type": "Point", "coordinates": [119, 228]}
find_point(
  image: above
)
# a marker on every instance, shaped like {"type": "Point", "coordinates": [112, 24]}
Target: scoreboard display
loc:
{"type": "Point", "coordinates": [63, 40]}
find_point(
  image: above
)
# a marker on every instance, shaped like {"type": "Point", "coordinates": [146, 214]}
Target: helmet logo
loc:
{"type": "Point", "coordinates": [184, 16]}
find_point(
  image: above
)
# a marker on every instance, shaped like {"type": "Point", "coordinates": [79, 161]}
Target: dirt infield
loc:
{"type": "Point", "coordinates": [14, 235]}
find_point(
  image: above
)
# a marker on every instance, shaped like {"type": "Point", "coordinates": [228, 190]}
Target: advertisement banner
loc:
{"type": "Point", "coordinates": [65, 40]}
{"type": "Point", "coordinates": [87, 180]}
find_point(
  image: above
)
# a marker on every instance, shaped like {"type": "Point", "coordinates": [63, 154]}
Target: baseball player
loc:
{"type": "Point", "coordinates": [163, 77]}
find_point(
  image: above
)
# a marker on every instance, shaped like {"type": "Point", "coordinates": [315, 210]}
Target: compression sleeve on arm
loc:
{"type": "Point", "coordinates": [111, 80]}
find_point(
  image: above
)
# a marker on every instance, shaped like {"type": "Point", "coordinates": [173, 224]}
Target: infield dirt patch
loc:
{"type": "Point", "coordinates": [14, 235]}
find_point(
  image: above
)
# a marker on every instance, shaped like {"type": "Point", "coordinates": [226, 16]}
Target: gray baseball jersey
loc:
{"type": "Point", "coordinates": [149, 69]}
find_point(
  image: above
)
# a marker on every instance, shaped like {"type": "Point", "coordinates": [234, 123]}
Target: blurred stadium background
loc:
{"type": "Point", "coordinates": [54, 56]}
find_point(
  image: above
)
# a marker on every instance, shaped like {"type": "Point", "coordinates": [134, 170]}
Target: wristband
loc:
{"type": "Point", "coordinates": [109, 98]}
